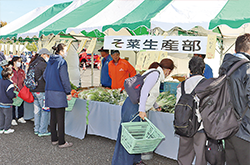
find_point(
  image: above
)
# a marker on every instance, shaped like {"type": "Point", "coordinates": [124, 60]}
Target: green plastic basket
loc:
{"type": "Point", "coordinates": [140, 137]}
{"type": "Point", "coordinates": [17, 101]}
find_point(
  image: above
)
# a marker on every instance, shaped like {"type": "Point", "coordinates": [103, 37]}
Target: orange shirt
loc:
{"type": "Point", "coordinates": [118, 73]}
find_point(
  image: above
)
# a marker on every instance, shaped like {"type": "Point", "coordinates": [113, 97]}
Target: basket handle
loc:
{"type": "Point", "coordinates": [135, 117]}
{"type": "Point", "coordinates": [151, 125]}
{"type": "Point", "coordinates": [141, 121]}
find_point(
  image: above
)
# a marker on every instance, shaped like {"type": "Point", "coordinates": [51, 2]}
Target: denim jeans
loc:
{"type": "Point", "coordinates": [41, 117]}
{"type": "Point", "coordinates": [20, 111]}
{"type": "Point", "coordinates": [121, 156]}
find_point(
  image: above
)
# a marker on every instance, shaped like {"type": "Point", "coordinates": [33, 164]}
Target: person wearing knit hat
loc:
{"type": "Point", "coordinates": [3, 63]}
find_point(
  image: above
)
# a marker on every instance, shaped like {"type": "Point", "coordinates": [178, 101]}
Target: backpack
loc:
{"type": "Point", "coordinates": [215, 152]}
{"type": "Point", "coordinates": [185, 120]}
{"type": "Point", "coordinates": [30, 81]}
{"type": "Point", "coordinates": [24, 58]}
{"type": "Point", "coordinates": [133, 86]}
{"type": "Point", "coordinates": [220, 119]}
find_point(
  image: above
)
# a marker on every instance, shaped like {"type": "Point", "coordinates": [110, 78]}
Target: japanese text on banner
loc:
{"type": "Point", "coordinates": [181, 44]}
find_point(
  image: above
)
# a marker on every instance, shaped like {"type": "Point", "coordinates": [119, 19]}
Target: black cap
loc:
{"type": "Point", "coordinates": [115, 51]}
{"type": "Point", "coordinates": [103, 50]}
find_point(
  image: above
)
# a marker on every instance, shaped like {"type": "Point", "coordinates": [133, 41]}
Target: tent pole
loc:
{"type": "Point", "coordinates": [221, 50]}
{"type": "Point", "coordinates": [92, 69]}
{"type": "Point", "coordinates": [136, 52]}
{"type": "Point", "coordinates": [228, 49]}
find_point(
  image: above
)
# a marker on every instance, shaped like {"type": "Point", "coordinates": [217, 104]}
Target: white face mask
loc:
{"type": "Point", "coordinates": [11, 76]}
{"type": "Point", "coordinates": [18, 64]}
{"type": "Point", "coordinates": [46, 59]}
{"type": "Point", "coordinates": [65, 53]}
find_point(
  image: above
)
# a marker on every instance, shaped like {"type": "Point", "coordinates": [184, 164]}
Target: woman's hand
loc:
{"type": "Point", "coordinates": [159, 108]}
{"type": "Point", "coordinates": [142, 115]}
{"type": "Point", "coordinates": [69, 97]}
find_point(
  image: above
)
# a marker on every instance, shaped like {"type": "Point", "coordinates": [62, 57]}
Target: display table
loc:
{"type": "Point", "coordinates": [75, 120]}
{"type": "Point", "coordinates": [104, 119]}
{"type": "Point", "coordinates": [28, 110]}
{"type": "Point", "coordinates": [164, 122]}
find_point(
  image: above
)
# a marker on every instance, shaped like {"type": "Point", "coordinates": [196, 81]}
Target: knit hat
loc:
{"type": "Point", "coordinates": [3, 60]}
{"type": "Point", "coordinates": [44, 51]}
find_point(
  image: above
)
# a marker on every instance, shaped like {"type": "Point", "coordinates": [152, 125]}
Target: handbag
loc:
{"type": "Point", "coordinates": [26, 95]}
{"type": "Point", "coordinates": [215, 152]}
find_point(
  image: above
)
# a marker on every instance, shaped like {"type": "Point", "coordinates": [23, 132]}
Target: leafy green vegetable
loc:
{"type": "Point", "coordinates": [167, 102]}
{"type": "Point", "coordinates": [73, 86]}
{"type": "Point", "coordinates": [112, 96]}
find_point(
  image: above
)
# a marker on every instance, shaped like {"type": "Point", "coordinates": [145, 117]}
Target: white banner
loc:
{"type": "Point", "coordinates": [180, 44]}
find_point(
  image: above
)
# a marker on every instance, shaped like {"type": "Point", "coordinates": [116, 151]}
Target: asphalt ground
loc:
{"type": "Point", "coordinates": [86, 77]}
{"type": "Point", "coordinates": [24, 147]}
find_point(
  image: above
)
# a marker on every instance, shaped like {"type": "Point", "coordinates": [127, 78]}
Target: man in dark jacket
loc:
{"type": "Point", "coordinates": [238, 146]}
{"type": "Point", "coordinates": [41, 114]}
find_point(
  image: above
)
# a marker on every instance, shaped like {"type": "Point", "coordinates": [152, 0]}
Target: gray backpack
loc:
{"type": "Point", "coordinates": [220, 119]}
{"type": "Point", "coordinates": [133, 86]}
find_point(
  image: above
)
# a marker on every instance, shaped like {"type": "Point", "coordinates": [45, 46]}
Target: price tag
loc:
{"type": "Point", "coordinates": [39, 44]}
{"type": "Point", "coordinates": [151, 56]}
{"type": "Point", "coordinates": [68, 43]}
{"type": "Point", "coordinates": [8, 49]}
{"type": "Point", "coordinates": [18, 48]}
{"type": "Point", "coordinates": [211, 44]}
{"type": "Point", "coordinates": [92, 45]}
{"type": "Point", "coordinates": [50, 45]}
{"type": "Point", "coordinates": [140, 59]}
{"type": "Point", "coordinates": [82, 44]}
{"type": "Point", "coordinates": [14, 49]}
{"type": "Point", "coordinates": [162, 55]}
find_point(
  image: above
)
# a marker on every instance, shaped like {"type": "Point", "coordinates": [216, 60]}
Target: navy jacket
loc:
{"type": "Point", "coordinates": [57, 82]}
{"type": "Point", "coordinates": [105, 79]}
{"type": "Point", "coordinates": [7, 92]}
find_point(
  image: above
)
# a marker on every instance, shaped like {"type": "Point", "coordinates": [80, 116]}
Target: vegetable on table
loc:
{"type": "Point", "coordinates": [167, 102]}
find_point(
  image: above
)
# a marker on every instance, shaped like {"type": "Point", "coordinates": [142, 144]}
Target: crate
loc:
{"type": "Point", "coordinates": [140, 137]}
{"type": "Point", "coordinates": [169, 86]}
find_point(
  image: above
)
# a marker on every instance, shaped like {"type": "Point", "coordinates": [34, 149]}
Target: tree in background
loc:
{"type": "Point", "coordinates": [2, 24]}
{"type": "Point", "coordinates": [31, 47]}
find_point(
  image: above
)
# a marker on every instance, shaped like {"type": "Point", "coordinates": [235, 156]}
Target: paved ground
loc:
{"type": "Point", "coordinates": [23, 147]}
{"type": "Point", "coordinates": [86, 77]}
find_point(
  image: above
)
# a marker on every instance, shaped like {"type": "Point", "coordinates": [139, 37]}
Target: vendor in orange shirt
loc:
{"type": "Point", "coordinates": [119, 70]}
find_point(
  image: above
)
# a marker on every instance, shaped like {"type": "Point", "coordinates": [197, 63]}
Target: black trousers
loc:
{"type": "Point", "coordinates": [237, 151]}
{"type": "Point", "coordinates": [57, 117]}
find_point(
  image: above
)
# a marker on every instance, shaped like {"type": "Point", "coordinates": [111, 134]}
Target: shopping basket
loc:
{"type": "Point", "coordinates": [17, 101]}
{"type": "Point", "coordinates": [140, 137]}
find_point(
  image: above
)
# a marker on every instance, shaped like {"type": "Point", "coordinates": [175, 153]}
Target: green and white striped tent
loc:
{"type": "Point", "coordinates": [93, 17]}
